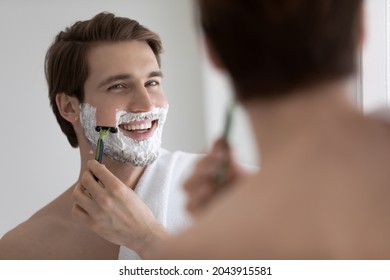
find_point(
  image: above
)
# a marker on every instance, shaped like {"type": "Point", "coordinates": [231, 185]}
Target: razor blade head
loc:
{"type": "Point", "coordinates": [106, 128]}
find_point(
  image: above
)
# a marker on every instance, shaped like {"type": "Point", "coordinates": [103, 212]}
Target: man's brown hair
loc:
{"type": "Point", "coordinates": [66, 66]}
{"type": "Point", "coordinates": [272, 47]}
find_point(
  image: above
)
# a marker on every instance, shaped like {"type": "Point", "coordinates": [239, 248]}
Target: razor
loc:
{"type": "Point", "coordinates": [219, 177]}
{"type": "Point", "coordinates": [103, 133]}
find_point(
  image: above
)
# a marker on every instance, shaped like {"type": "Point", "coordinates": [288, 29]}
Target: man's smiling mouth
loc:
{"type": "Point", "coordinates": [139, 130]}
{"type": "Point", "coordinates": [136, 127]}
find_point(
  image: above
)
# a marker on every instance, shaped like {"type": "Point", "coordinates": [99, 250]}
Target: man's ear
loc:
{"type": "Point", "coordinates": [68, 106]}
{"type": "Point", "coordinates": [213, 55]}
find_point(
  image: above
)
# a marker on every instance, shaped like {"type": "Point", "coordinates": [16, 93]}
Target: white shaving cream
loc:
{"type": "Point", "coordinates": [119, 147]}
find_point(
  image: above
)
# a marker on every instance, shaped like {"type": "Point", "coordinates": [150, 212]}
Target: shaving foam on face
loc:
{"type": "Point", "coordinates": [119, 147]}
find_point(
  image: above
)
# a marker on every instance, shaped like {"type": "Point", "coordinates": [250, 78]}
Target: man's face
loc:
{"type": "Point", "coordinates": [124, 90]}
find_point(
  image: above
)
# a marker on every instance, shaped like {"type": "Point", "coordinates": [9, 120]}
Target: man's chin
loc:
{"type": "Point", "coordinates": [136, 160]}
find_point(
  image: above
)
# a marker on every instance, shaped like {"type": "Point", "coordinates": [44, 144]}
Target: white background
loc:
{"type": "Point", "coordinates": [197, 269]}
{"type": "Point", "coordinates": [38, 164]}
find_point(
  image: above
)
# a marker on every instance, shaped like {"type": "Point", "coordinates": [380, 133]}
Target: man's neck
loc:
{"type": "Point", "coordinates": [127, 173]}
{"type": "Point", "coordinates": [280, 123]}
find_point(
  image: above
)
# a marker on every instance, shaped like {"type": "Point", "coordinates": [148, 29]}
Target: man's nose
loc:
{"type": "Point", "coordinates": [140, 101]}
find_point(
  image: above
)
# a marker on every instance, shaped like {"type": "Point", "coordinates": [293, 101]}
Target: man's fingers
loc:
{"type": "Point", "coordinates": [91, 186]}
{"type": "Point", "coordinates": [199, 199]}
{"type": "Point", "coordinates": [79, 213]}
{"type": "Point", "coordinates": [203, 171]}
{"type": "Point", "coordinates": [109, 181]}
{"type": "Point", "coordinates": [83, 199]}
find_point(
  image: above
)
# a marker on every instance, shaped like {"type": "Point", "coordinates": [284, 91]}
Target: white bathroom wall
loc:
{"type": "Point", "coordinates": [37, 163]}
{"type": "Point", "coordinates": [375, 56]}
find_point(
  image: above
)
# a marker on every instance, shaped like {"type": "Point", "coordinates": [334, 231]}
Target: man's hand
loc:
{"type": "Point", "coordinates": [213, 174]}
{"type": "Point", "coordinates": [112, 210]}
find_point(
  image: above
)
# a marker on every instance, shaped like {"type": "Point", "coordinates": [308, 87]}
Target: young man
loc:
{"type": "Point", "coordinates": [106, 72]}
{"type": "Point", "coordinates": [323, 188]}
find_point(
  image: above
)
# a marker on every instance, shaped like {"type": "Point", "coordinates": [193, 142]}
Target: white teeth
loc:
{"type": "Point", "coordinates": [137, 126]}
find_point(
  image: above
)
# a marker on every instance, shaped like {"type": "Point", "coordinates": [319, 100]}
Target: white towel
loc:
{"type": "Point", "coordinates": [160, 187]}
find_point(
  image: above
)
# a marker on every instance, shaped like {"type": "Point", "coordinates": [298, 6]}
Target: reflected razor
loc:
{"type": "Point", "coordinates": [220, 176]}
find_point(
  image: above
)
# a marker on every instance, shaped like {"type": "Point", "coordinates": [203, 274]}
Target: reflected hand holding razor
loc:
{"type": "Point", "coordinates": [220, 176]}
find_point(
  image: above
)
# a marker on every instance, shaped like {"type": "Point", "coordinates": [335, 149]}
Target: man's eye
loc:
{"type": "Point", "coordinates": [152, 83]}
{"type": "Point", "coordinates": [116, 86]}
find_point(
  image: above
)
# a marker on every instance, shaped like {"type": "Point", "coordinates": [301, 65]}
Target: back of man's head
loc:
{"type": "Point", "coordinates": [272, 47]}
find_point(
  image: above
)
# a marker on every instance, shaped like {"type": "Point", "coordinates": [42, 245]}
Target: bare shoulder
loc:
{"type": "Point", "coordinates": [51, 234]}
{"type": "Point", "coordinates": [29, 240]}
{"type": "Point", "coordinates": [293, 217]}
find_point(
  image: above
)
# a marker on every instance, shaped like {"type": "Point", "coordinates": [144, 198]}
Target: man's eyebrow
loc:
{"type": "Point", "coordinates": [155, 74]}
{"type": "Point", "coordinates": [114, 78]}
